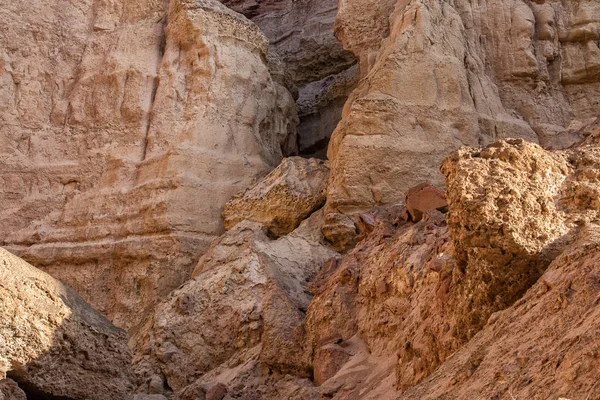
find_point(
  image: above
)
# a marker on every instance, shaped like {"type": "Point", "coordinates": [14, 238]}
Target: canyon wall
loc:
{"type": "Point", "coordinates": [437, 75]}
{"type": "Point", "coordinates": [126, 126]}
{"type": "Point", "coordinates": [143, 149]}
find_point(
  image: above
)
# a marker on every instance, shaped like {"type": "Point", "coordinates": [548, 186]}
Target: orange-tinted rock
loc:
{"type": "Point", "coordinates": [422, 198]}
{"type": "Point", "coordinates": [328, 361]}
{"type": "Point", "coordinates": [544, 346]}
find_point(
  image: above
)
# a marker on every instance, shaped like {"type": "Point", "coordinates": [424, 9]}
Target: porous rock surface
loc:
{"type": "Point", "coordinates": [545, 346]}
{"type": "Point", "coordinates": [417, 293]}
{"type": "Point", "coordinates": [289, 194]}
{"type": "Point", "coordinates": [437, 75]}
{"type": "Point", "coordinates": [505, 224]}
{"type": "Point", "coordinates": [9, 390]}
{"type": "Point", "coordinates": [53, 343]}
{"type": "Point", "coordinates": [126, 126]}
{"type": "Point", "coordinates": [245, 304]}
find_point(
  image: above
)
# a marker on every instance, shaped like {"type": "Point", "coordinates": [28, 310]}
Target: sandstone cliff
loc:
{"type": "Point", "coordinates": [447, 249]}
{"type": "Point", "coordinates": [120, 150]}
{"type": "Point", "coordinates": [437, 75]}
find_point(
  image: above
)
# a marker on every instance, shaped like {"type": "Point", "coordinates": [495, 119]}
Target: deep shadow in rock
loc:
{"type": "Point", "coordinates": [53, 344]}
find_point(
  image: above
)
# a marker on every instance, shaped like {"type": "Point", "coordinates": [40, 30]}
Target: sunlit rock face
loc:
{"type": "Point", "coordinates": [123, 137]}
{"type": "Point", "coordinates": [439, 75]}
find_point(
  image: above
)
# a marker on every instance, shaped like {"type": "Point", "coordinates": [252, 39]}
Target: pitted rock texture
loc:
{"type": "Point", "coordinates": [123, 139]}
{"type": "Point", "coordinates": [438, 75]}
{"type": "Point", "coordinates": [53, 343]}
{"type": "Point", "coordinates": [505, 224]}
{"type": "Point", "coordinates": [289, 194]}
{"type": "Point", "coordinates": [543, 347]}
{"type": "Point", "coordinates": [246, 302]}
{"type": "Point", "coordinates": [423, 291]}
{"type": "Point", "coordinates": [301, 33]}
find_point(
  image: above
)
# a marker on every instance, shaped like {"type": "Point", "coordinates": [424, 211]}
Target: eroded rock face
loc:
{"type": "Point", "coordinates": [246, 302]}
{"type": "Point", "coordinates": [156, 116]}
{"type": "Point", "coordinates": [505, 224]}
{"type": "Point", "coordinates": [422, 291]}
{"type": "Point", "coordinates": [439, 75]}
{"type": "Point", "coordinates": [544, 346]}
{"type": "Point", "coordinates": [391, 290]}
{"type": "Point", "coordinates": [53, 343]}
{"type": "Point", "coordinates": [289, 194]}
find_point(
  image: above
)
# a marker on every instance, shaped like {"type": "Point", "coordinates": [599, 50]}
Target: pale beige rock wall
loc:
{"type": "Point", "coordinates": [126, 126]}
{"type": "Point", "coordinates": [438, 75]}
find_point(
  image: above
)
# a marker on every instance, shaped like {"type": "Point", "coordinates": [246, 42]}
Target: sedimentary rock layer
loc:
{"type": "Point", "coordinates": [123, 139]}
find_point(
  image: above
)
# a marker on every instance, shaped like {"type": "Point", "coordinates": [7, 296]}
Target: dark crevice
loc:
{"type": "Point", "coordinates": [317, 150]}
{"type": "Point", "coordinates": [161, 52]}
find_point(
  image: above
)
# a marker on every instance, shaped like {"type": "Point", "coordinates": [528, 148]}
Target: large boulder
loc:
{"type": "Point", "coordinates": [246, 302]}
{"type": "Point", "coordinates": [505, 221]}
{"type": "Point", "coordinates": [53, 343]}
{"type": "Point", "coordinates": [289, 194]}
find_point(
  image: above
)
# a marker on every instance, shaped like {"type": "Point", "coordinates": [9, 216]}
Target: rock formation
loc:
{"type": "Point", "coordinates": [246, 302]}
{"type": "Point", "coordinates": [422, 291]}
{"type": "Point", "coordinates": [54, 344]}
{"type": "Point", "coordinates": [438, 75]}
{"type": "Point", "coordinates": [544, 346]}
{"type": "Point", "coordinates": [122, 165]}
{"type": "Point", "coordinates": [447, 249]}
{"type": "Point", "coordinates": [289, 194]}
